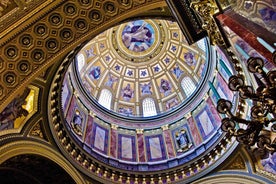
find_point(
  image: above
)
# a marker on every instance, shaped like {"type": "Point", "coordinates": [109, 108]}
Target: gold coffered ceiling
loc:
{"type": "Point", "coordinates": [48, 36]}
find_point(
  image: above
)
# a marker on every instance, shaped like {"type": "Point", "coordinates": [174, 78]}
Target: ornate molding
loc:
{"type": "Point", "coordinates": [103, 170]}
{"type": "Point", "coordinates": [49, 35]}
{"type": "Point", "coordinates": [36, 131]}
{"type": "Point", "coordinates": [206, 9]}
{"type": "Point", "coordinates": [15, 148]}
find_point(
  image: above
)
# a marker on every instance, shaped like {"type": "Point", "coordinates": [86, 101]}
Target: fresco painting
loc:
{"type": "Point", "coordinates": [138, 36]}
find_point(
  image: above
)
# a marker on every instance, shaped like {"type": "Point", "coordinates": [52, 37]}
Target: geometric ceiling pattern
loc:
{"type": "Point", "coordinates": [185, 127]}
{"type": "Point", "coordinates": [156, 141]}
{"type": "Point", "coordinates": [142, 62]}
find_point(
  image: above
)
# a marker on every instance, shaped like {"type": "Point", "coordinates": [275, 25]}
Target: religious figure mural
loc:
{"type": "Point", "coordinates": [95, 72]}
{"type": "Point", "coordinates": [190, 59]}
{"type": "Point", "coordinates": [76, 123]}
{"type": "Point", "coordinates": [165, 87]}
{"type": "Point", "coordinates": [111, 80]}
{"type": "Point", "coordinates": [183, 142]}
{"type": "Point", "coordinates": [146, 88]}
{"type": "Point", "coordinates": [269, 164]}
{"type": "Point", "coordinates": [268, 15]}
{"type": "Point", "coordinates": [127, 92]}
{"type": "Point", "coordinates": [13, 111]}
{"type": "Point", "coordinates": [138, 36]}
{"type": "Point", "coordinates": [177, 71]}
{"type": "Point", "coordinates": [126, 111]}
{"type": "Point", "coordinates": [171, 103]}
{"type": "Point", "coordinates": [90, 52]}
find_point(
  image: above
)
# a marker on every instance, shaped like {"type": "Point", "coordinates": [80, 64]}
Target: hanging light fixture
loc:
{"type": "Point", "coordinates": [258, 130]}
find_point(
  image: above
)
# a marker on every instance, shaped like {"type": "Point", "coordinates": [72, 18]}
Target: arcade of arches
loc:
{"type": "Point", "coordinates": [114, 91]}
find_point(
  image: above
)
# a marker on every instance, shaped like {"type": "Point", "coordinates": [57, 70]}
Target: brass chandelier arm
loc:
{"type": "Point", "coordinates": [260, 101]}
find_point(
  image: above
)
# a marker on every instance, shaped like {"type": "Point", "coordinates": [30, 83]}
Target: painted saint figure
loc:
{"type": "Point", "coordinates": [13, 111]}
{"type": "Point", "coordinates": [190, 59]}
{"type": "Point", "coordinates": [165, 87]}
{"type": "Point", "coordinates": [268, 14]}
{"type": "Point", "coordinates": [76, 123]}
{"type": "Point", "coordinates": [127, 92]}
{"type": "Point", "coordinates": [182, 140]}
{"type": "Point", "coordinates": [95, 72]}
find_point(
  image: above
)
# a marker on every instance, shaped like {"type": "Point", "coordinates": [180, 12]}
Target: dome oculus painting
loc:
{"type": "Point", "coordinates": [138, 35]}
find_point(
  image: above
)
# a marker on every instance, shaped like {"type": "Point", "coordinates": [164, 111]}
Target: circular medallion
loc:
{"type": "Point", "coordinates": [138, 39]}
{"type": "Point", "coordinates": [138, 36]}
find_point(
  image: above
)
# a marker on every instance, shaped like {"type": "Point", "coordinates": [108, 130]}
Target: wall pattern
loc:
{"type": "Point", "coordinates": [152, 66]}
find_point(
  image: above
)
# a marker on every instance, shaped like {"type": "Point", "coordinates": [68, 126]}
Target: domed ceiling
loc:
{"type": "Point", "coordinates": [142, 68]}
{"type": "Point", "coordinates": [138, 98]}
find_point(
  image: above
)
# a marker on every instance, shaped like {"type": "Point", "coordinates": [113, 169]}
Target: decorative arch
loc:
{"type": "Point", "coordinates": [233, 178]}
{"type": "Point", "coordinates": [29, 147]}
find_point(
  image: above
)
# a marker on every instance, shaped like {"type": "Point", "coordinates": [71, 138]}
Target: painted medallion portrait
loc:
{"type": "Point", "coordinates": [138, 35]}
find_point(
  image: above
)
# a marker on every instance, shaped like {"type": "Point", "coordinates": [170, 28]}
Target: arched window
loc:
{"type": "Point", "coordinates": [105, 98]}
{"type": "Point", "coordinates": [81, 61]}
{"type": "Point", "coordinates": [188, 86]}
{"type": "Point", "coordinates": [201, 44]}
{"type": "Point", "coordinates": [149, 108]}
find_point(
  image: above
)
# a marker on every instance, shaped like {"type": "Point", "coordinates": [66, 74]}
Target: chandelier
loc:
{"type": "Point", "coordinates": [259, 129]}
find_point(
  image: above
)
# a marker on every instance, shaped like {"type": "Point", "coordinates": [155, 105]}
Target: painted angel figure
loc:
{"type": "Point", "coordinates": [90, 52]}
{"type": "Point", "coordinates": [177, 71]}
{"type": "Point", "coordinates": [146, 88]}
{"type": "Point", "coordinates": [189, 58]}
{"type": "Point", "coordinates": [95, 72]}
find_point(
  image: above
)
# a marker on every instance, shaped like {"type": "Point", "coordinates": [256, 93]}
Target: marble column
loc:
{"type": "Point", "coordinates": [141, 145]}
{"type": "Point", "coordinates": [113, 141]}
{"type": "Point", "coordinates": [168, 141]}
{"type": "Point", "coordinates": [245, 33]}
{"type": "Point", "coordinates": [88, 131]}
